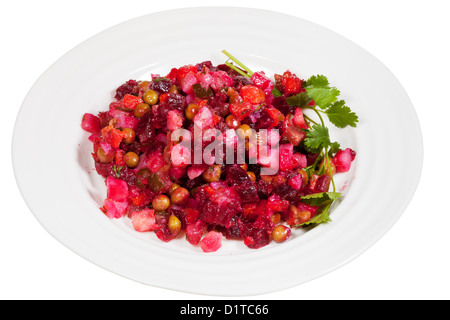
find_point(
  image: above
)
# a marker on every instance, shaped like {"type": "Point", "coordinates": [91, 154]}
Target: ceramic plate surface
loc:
{"type": "Point", "coordinates": [64, 192]}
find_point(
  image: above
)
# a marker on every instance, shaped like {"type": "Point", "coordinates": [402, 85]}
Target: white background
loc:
{"type": "Point", "coordinates": [412, 261]}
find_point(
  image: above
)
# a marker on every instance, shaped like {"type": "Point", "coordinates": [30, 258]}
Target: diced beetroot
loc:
{"type": "Point", "coordinates": [221, 79]}
{"type": "Point", "coordinates": [261, 81]}
{"type": "Point", "coordinates": [343, 159]}
{"type": "Point", "coordinates": [217, 83]}
{"type": "Point", "coordinates": [138, 197]}
{"type": "Point", "coordinates": [300, 160]}
{"type": "Point", "coordinates": [204, 118]}
{"type": "Point", "coordinates": [263, 222]}
{"type": "Point", "coordinates": [205, 79]}
{"type": "Point", "coordinates": [249, 211]}
{"type": "Point", "coordinates": [236, 176]}
{"type": "Point", "coordinates": [195, 170]}
{"type": "Point", "coordinates": [212, 213]}
{"type": "Point", "coordinates": [146, 131]}
{"type": "Point", "coordinates": [116, 111]}
{"type": "Point", "coordinates": [268, 158]}
{"type": "Point", "coordinates": [275, 115]}
{"type": "Point", "coordinates": [224, 196]}
{"type": "Point", "coordinates": [94, 138]}
{"type": "Point", "coordinates": [155, 161]}
{"type": "Point", "coordinates": [225, 77]}
{"type": "Point", "coordinates": [114, 209]}
{"type": "Point", "coordinates": [299, 120]}
{"type": "Point", "coordinates": [211, 242]}
{"type": "Point", "coordinates": [270, 137]}
{"type": "Point", "coordinates": [177, 173]}
{"type": "Point", "coordinates": [162, 97]}
{"type": "Point", "coordinates": [127, 87]}
{"type": "Point", "coordinates": [294, 134]}
{"type": "Point", "coordinates": [116, 189]}
{"type": "Point", "coordinates": [185, 71]}
{"type": "Point", "coordinates": [194, 232]}
{"type": "Point", "coordinates": [287, 156]}
{"type": "Point", "coordinates": [172, 75]}
{"type": "Point", "coordinates": [192, 214]}
{"type": "Point", "coordinates": [160, 85]}
{"type": "Point", "coordinates": [174, 120]}
{"type": "Point", "coordinates": [180, 156]}
{"type": "Point", "coordinates": [91, 123]}
{"type": "Point", "coordinates": [188, 81]}
{"type": "Point", "coordinates": [276, 204]}
{"type": "Point", "coordinates": [258, 239]}
{"type": "Point", "coordinates": [127, 122]}
{"type": "Point", "coordinates": [173, 100]}
{"type": "Point", "coordinates": [218, 184]}
{"type": "Point", "coordinates": [322, 184]}
{"type": "Point", "coordinates": [296, 182]}
{"type": "Point", "coordinates": [165, 232]}
{"type": "Point", "coordinates": [144, 220]}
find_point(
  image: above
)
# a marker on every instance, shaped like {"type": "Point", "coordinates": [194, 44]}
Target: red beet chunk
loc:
{"type": "Point", "coordinates": [211, 242]}
{"type": "Point", "coordinates": [144, 220]}
{"type": "Point", "coordinates": [126, 88]}
{"type": "Point", "coordinates": [91, 123]}
{"type": "Point", "coordinates": [194, 232]}
{"type": "Point", "coordinates": [343, 159]}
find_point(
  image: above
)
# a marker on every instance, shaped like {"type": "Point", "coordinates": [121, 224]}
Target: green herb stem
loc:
{"type": "Point", "coordinates": [309, 119]}
{"type": "Point", "coordinates": [240, 64]}
{"type": "Point", "coordinates": [320, 117]}
{"type": "Point", "coordinates": [327, 163]}
{"type": "Point", "coordinates": [232, 66]}
{"type": "Point", "coordinates": [326, 157]}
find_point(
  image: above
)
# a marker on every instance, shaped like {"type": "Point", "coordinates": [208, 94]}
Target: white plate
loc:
{"type": "Point", "coordinates": [54, 170]}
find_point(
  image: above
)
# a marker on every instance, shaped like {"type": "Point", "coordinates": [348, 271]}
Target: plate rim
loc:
{"type": "Point", "coordinates": [350, 258]}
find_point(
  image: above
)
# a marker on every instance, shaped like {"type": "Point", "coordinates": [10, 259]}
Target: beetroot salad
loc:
{"type": "Point", "coordinates": [210, 152]}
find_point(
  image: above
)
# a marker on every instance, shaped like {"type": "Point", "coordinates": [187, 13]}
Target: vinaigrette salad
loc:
{"type": "Point", "coordinates": [212, 152]}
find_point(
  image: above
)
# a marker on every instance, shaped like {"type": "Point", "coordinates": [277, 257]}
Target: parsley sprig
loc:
{"type": "Point", "coordinates": [325, 97]}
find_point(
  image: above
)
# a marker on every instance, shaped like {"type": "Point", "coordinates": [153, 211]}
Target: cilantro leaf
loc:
{"type": "Point", "coordinates": [298, 100]}
{"type": "Point", "coordinates": [317, 138]}
{"type": "Point", "coordinates": [316, 199]}
{"type": "Point", "coordinates": [327, 195]}
{"type": "Point", "coordinates": [319, 81]}
{"type": "Point", "coordinates": [318, 88]}
{"type": "Point", "coordinates": [323, 97]}
{"type": "Point", "coordinates": [276, 92]}
{"type": "Point", "coordinates": [341, 116]}
{"type": "Point", "coordinates": [334, 147]}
